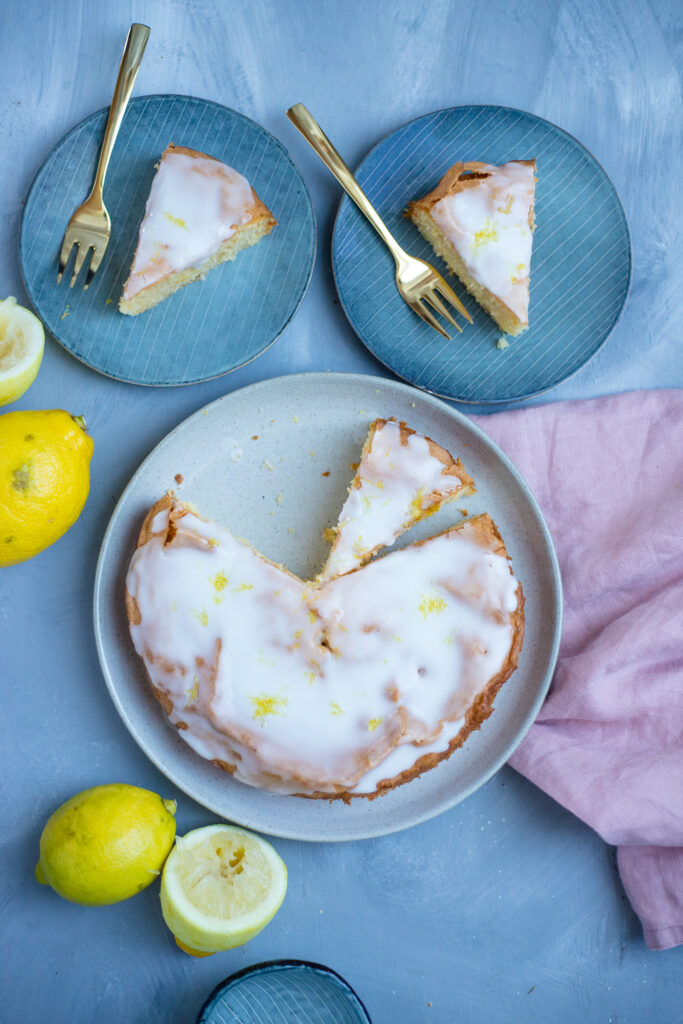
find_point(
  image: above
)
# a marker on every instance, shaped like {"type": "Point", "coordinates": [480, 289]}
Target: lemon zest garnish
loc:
{"type": "Point", "coordinates": [175, 220]}
{"type": "Point", "coordinates": [416, 504]}
{"type": "Point", "coordinates": [429, 605]}
{"type": "Point", "coordinates": [398, 639]}
{"type": "Point", "coordinates": [213, 543]}
{"type": "Point", "coordinates": [174, 606]}
{"type": "Point", "coordinates": [489, 233]}
{"type": "Point", "coordinates": [508, 204]}
{"type": "Point", "coordinates": [267, 705]}
{"type": "Point", "coordinates": [310, 676]}
{"type": "Point", "coordinates": [374, 723]}
{"type": "Point", "coordinates": [202, 616]}
{"type": "Point", "coordinates": [193, 693]}
{"type": "Point", "coordinates": [219, 583]}
{"type": "Point", "coordinates": [65, 313]}
{"type": "Point", "coordinates": [298, 634]}
{"type": "Point", "coordinates": [295, 418]}
{"type": "Point", "coordinates": [243, 586]}
{"type": "Point", "coordinates": [312, 617]}
{"type": "Point", "coordinates": [380, 484]}
{"type": "Point", "coordinates": [335, 708]}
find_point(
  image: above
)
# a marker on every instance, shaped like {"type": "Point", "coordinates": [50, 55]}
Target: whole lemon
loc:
{"type": "Point", "coordinates": [44, 479]}
{"type": "Point", "coordinates": [106, 844]}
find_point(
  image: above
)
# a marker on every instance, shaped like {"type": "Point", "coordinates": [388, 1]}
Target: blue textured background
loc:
{"type": "Point", "coordinates": [506, 908]}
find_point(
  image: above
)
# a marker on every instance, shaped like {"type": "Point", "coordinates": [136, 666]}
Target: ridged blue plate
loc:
{"type": "Point", "coordinates": [284, 992]}
{"type": "Point", "coordinates": [210, 327]}
{"type": "Point", "coordinates": [580, 266]}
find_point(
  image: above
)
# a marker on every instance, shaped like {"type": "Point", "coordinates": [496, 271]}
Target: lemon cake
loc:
{"type": "Point", "coordinates": [480, 220]}
{"type": "Point", "coordinates": [199, 213]}
{"type": "Point", "coordinates": [337, 688]}
{"type": "Point", "coordinates": [402, 478]}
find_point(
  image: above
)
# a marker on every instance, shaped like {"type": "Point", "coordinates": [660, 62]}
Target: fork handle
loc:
{"type": "Point", "coordinates": [130, 65]}
{"type": "Point", "coordinates": [315, 136]}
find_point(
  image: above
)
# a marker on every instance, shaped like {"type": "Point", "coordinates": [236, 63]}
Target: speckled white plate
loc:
{"type": "Point", "coordinates": [257, 460]}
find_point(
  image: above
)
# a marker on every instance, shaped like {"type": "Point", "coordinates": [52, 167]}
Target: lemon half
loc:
{"type": "Point", "coordinates": [22, 340]}
{"type": "Point", "coordinates": [106, 844]}
{"type": "Point", "coordinates": [220, 887]}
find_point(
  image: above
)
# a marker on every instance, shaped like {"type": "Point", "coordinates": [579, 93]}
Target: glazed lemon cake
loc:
{"type": "Point", "coordinates": [402, 477]}
{"type": "Point", "coordinates": [199, 213]}
{"type": "Point", "coordinates": [343, 687]}
{"type": "Point", "coordinates": [480, 220]}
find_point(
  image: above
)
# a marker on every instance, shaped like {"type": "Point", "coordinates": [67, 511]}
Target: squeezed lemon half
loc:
{"type": "Point", "coordinates": [22, 340]}
{"type": "Point", "coordinates": [221, 885]}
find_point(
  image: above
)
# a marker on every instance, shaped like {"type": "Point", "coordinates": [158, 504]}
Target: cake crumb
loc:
{"type": "Point", "coordinates": [260, 408]}
{"type": "Point", "coordinates": [280, 499]}
{"type": "Point", "coordinates": [109, 301]}
{"type": "Point", "coordinates": [412, 405]}
{"type": "Point", "coordinates": [464, 512]}
{"type": "Point", "coordinates": [254, 437]}
{"type": "Point", "coordinates": [178, 478]}
{"type": "Point", "coordinates": [502, 343]}
{"type": "Point", "coordinates": [326, 473]}
{"type": "Point", "coordinates": [312, 453]}
{"type": "Point", "coordinates": [267, 465]}
{"type": "Point", "coordinates": [236, 453]}
{"type": "Point", "coordinates": [295, 418]}
{"type": "Point", "coordinates": [65, 313]}
{"type": "Point", "coordinates": [329, 533]}
{"type": "Point", "coordinates": [290, 529]}
{"type": "Point", "coordinates": [353, 466]}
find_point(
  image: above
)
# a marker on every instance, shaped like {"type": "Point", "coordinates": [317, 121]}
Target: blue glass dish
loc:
{"type": "Point", "coordinates": [284, 992]}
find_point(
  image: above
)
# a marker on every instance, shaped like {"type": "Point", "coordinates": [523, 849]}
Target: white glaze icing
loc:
{"type": "Point", "coordinates": [397, 481]}
{"type": "Point", "coordinates": [488, 225]}
{"type": "Point", "coordinates": [195, 204]}
{"type": "Point", "coordinates": [309, 687]}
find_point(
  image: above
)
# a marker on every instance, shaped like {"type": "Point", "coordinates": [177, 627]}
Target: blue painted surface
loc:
{"type": "Point", "coordinates": [581, 261]}
{"type": "Point", "coordinates": [505, 908]}
{"type": "Point", "coordinates": [201, 332]}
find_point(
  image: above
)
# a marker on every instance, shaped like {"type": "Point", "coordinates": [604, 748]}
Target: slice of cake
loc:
{"type": "Point", "coordinates": [480, 220]}
{"type": "Point", "coordinates": [402, 478]}
{"type": "Point", "coordinates": [199, 213]}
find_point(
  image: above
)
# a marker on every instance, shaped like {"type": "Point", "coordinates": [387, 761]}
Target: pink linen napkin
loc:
{"type": "Point", "coordinates": [608, 742]}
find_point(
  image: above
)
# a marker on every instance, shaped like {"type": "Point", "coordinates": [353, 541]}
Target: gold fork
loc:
{"type": "Point", "coordinates": [419, 284]}
{"type": "Point", "coordinates": [90, 226]}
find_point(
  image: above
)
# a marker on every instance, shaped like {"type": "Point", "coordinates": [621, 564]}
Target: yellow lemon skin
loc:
{"type": "Point", "coordinates": [106, 844]}
{"type": "Point", "coordinates": [44, 479]}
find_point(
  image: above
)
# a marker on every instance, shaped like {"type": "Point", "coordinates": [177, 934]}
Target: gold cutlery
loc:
{"type": "Point", "coordinates": [90, 226]}
{"type": "Point", "coordinates": [419, 284]}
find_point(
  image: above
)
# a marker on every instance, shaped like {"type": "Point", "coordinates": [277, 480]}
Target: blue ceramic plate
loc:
{"type": "Point", "coordinates": [284, 992]}
{"type": "Point", "coordinates": [580, 266]}
{"type": "Point", "coordinates": [210, 327]}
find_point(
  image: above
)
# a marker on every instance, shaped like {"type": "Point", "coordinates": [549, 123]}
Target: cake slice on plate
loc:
{"type": "Point", "coordinates": [480, 220]}
{"type": "Point", "coordinates": [402, 477]}
{"type": "Point", "coordinates": [199, 213]}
